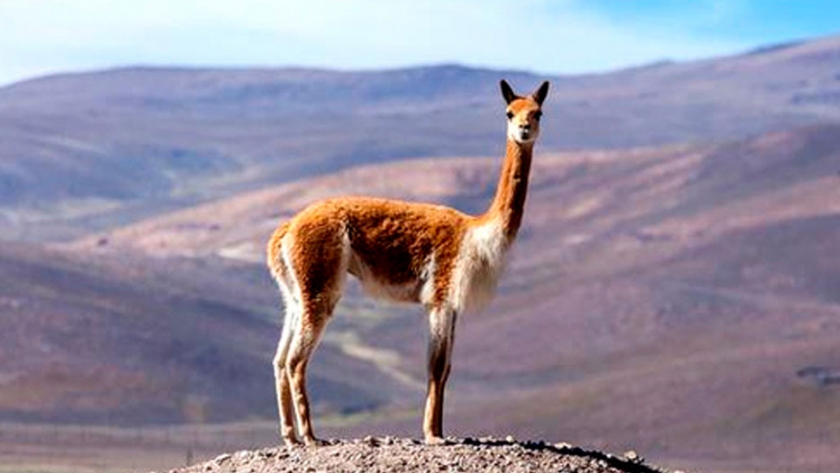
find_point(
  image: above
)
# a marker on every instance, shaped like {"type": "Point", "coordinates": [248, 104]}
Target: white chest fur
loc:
{"type": "Point", "coordinates": [481, 260]}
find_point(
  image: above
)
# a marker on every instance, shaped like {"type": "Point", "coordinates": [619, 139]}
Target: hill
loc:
{"type": "Point", "coordinates": [101, 149]}
{"type": "Point", "coordinates": [681, 299]}
{"type": "Point", "coordinates": [675, 299]}
{"type": "Point", "coordinates": [390, 454]}
{"type": "Point", "coordinates": [136, 341]}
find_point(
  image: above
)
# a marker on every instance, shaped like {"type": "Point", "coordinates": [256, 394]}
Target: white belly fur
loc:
{"type": "Point", "coordinates": [420, 290]}
{"type": "Point", "coordinates": [481, 261]}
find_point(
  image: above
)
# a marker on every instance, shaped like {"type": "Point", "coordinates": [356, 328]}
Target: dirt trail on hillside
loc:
{"type": "Point", "coordinates": [388, 454]}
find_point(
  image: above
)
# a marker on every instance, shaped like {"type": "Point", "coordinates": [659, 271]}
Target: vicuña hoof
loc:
{"type": "Point", "coordinates": [292, 441]}
{"type": "Point", "coordinates": [315, 442]}
{"type": "Point", "coordinates": [433, 440]}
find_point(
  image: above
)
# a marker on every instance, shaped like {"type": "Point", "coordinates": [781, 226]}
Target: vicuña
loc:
{"type": "Point", "coordinates": [405, 251]}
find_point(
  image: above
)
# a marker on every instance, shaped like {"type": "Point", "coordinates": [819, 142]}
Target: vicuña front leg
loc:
{"type": "Point", "coordinates": [441, 339]}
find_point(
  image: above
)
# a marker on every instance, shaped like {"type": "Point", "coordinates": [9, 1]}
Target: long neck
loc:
{"type": "Point", "coordinates": [509, 203]}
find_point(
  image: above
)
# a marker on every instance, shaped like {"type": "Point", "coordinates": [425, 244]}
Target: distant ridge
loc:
{"type": "Point", "coordinates": [102, 147]}
{"type": "Point", "coordinates": [772, 48]}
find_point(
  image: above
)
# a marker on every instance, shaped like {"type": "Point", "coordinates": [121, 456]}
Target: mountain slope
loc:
{"type": "Point", "coordinates": [675, 299]}
{"type": "Point", "coordinates": [95, 150]}
{"type": "Point", "coordinates": [679, 299]}
{"type": "Point", "coordinates": [135, 341]}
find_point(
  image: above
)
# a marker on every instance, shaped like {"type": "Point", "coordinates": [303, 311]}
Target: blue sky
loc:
{"type": "Point", "coordinates": [563, 36]}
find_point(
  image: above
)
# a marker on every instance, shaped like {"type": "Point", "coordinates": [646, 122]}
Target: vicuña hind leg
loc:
{"type": "Point", "coordinates": [441, 339]}
{"type": "Point", "coordinates": [317, 261]}
{"type": "Point", "coordinates": [281, 380]}
{"type": "Point", "coordinates": [303, 344]}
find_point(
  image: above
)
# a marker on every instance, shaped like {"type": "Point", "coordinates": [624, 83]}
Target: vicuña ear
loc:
{"type": "Point", "coordinates": [540, 94]}
{"type": "Point", "coordinates": [507, 92]}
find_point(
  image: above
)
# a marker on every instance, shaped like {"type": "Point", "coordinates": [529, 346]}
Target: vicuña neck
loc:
{"type": "Point", "coordinates": [509, 203]}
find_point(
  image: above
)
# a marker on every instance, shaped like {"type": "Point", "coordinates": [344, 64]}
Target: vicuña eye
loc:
{"type": "Point", "coordinates": [538, 114]}
{"type": "Point", "coordinates": [510, 115]}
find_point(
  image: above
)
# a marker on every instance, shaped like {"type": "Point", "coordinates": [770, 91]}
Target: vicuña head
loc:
{"type": "Point", "coordinates": [524, 113]}
{"type": "Point", "coordinates": [429, 254]}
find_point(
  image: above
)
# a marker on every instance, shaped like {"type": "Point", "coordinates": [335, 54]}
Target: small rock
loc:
{"type": "Point", "coordinates": [242, 456]}
{"type": "Point", "coordinates": [222, 458]}
{"type": "Point", "coordinates": [510, 439]}
{"type": "Point", "coordinates": [633, 457]}
{"type": "Point", "coordinates": [563, 446]}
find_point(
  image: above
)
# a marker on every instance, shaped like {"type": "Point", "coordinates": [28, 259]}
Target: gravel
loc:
{"type": "Point", "coordinates": [390, 454]}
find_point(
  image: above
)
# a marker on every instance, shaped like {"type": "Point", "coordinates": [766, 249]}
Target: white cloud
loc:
{"type": "Point", "coordinates": [40, 36]}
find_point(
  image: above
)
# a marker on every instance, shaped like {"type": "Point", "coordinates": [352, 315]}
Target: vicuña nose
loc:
{"type": "Point", "coordinates": [525, 127]}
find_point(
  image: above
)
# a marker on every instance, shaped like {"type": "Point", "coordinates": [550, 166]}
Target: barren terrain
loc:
{"type": "Point", "coordinates": [75, 144]}
{"type": "Point", "coordinates": [675, 311]}
{"type": "Point", "coordinates": [388, 454]}
{"type": "Point", "coordinates": [674, 289]}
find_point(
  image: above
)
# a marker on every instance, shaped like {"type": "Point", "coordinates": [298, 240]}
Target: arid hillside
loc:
{"type": "Point", "coordinates": [680, 299]}
{"type": "Point", "coordinates": [133, 341]}
{"type": "Point", "coordinates": [675, 288]}
{"type": "Point", "coordinates": [382, 455]}
{"type": "Point", "coordinates": [101, 149]}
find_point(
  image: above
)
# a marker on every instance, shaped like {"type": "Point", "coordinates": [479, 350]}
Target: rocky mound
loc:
{"type": "Point", "coordinates": [457, 455]}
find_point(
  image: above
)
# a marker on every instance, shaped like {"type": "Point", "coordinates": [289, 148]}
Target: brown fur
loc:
{"type": "Point", "coordinates": [410, 252]}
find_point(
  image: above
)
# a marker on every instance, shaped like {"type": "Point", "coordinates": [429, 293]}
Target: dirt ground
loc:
{"type": "Point", "coordinates": [388, 454]}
